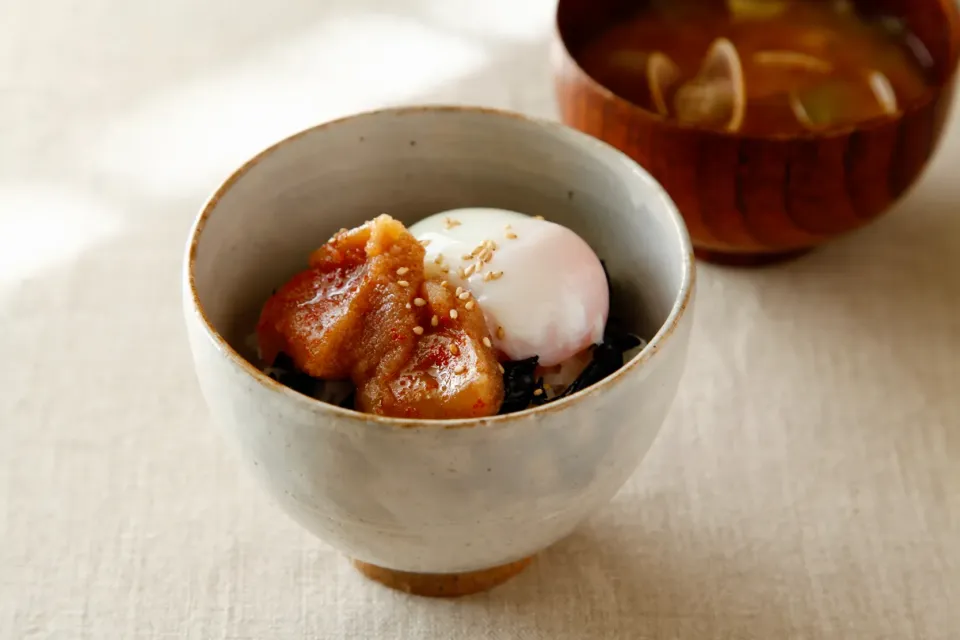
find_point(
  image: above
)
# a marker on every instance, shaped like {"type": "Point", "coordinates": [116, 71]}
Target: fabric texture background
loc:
{"type": "Point", "coordinates": [805, 485]}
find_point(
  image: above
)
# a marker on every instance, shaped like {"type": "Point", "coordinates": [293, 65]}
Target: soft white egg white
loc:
{"type": "Point", "coordinates": [543, 291]}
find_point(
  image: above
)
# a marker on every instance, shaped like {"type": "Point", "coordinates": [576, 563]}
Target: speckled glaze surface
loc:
{"type": "Point", "coordinates": [436, 497]}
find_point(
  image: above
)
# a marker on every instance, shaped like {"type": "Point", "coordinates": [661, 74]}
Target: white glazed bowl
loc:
{"type": "Point", "coordinates": [437, 497]}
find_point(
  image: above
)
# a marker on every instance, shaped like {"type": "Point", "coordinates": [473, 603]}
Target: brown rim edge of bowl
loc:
{"type": "Point", "coordinates": [666, 330]}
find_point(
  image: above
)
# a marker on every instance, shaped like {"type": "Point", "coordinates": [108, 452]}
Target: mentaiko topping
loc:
{"type": "Point", "coordinates": [365, 311]}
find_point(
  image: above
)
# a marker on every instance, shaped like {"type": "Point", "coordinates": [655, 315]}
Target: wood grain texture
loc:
{"type": "Point", "coordinates": [755, 200]}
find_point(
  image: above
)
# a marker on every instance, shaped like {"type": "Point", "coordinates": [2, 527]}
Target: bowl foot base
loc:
{"type": "Point", "coordinates": [747, 259]}
{"type": "Point", "coordinates": [442, 585]}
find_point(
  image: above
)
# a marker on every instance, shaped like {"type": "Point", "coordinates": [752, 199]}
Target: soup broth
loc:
{"type": "Point", "coordinates": [760, 67]}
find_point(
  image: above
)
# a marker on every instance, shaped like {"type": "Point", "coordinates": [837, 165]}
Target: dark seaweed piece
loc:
{"type": "Point", "coordinates": [539, 398]}
{"type": "Point", "coordinates": [338, 392]}
{"type": "Point", "coordinates": [521, 386]}
{"type": "Point", "coordinates": [607, 358]}
{"type": "Point", "coordinates": [286, 372]}
{"type": "Point", "coordinates": [518, 384]}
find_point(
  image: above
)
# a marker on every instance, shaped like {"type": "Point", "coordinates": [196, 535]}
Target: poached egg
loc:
{"type": "Point", "coordinates": [541, 287]}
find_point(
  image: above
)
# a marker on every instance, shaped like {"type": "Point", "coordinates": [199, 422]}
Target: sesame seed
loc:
{"type": "Point", "coordinates": [444, 284]}
{"type": "Point", "coordinates": [402, 271]}
{"type": "Point", "coordinates": [486, 342]}
{"type": "Point", "coordinates": [485, 256]}
{"type": "Point", "coordinates": [425, 243]}
{"type": "Point", "coordinates": [434, 321]}
{"type": "Point", "coordinates": [469, 271]}
{"type": "Point", "coordinates": [466, 256]}
{"type": "Point", "coordinates": [420, 302]}
{"type": "Point", "coordinates": [450, 223]}
{"type": "Point", "coordinates": [454, 349]}
{"type": "Point", "coordinates": [407, 306]}
{"type": "Point", "coordinates": [403, 283]}
{"type": "Point", "coordinates": [438, 259]}
{"type": "Point", "coordinates": [464, 295]}
{"type": "Point", "coordinates": [453, 314]}
{"type": "Point", "coordinates": [458, 291]}
{"type": "Point", "coordinates": [500, 366]}
{"type": "Point", "coordinates": [462, 273]}
{"type": "Point", "coordinates": [490, 244]}
{"type": "Point", "coordinates": [511, 235]}
{"type": "Point", "coordinates": [445, 269]}
{"type": "Point", "coordinates": [538, 392]}
{"type": "Point", "coordinates": [487, 276]}
{"type": "Point", "coordinates": [500, 333]}
{"type": "Point", "coordinates": [495, 275]}
{"type": "Point", "coordinates": [470, 305]}
{"type": "Point", "coordinates": [460, 369]}
{"type": "Point", "coordinates": [418, 331]}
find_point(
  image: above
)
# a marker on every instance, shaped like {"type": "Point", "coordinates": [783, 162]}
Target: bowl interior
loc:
{"type": "Point", "coordinates": [259, 228]}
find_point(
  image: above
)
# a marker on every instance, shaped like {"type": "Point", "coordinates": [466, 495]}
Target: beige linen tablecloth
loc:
{"type": "Point", "coordinates": [805, 485]}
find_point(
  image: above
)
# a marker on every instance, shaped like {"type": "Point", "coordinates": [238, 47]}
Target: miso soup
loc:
{"type": "Point", "coordinates": [760, 67]}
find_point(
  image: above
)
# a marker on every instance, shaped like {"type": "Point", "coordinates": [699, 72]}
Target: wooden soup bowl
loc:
{"type": "Point", "coordinates": [751, 200]}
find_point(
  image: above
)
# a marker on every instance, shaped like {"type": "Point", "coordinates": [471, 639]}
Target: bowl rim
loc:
{"type": "Point", "coordinates": [681, 303]}
{"type": "Point", "coordinates": [933, 93]}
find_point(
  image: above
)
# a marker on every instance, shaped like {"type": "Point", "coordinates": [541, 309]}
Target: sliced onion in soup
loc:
{"type": "Point", "coordinates": [636, 63]}
{"type": "Point", "coordinates": [663, 75]}
{"type": "Point", "coordinates": [884, 92]}
{"type": "Point", "coordinates": [656, 73]}
{"type": "Point", "coordinates": [839, 102]}
{"type": "Point", "coordinates": [792, 59]}
{"type": "Point", "coordinates": [716, 96]}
